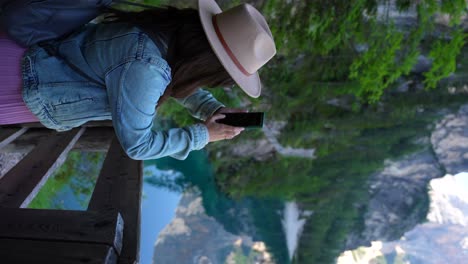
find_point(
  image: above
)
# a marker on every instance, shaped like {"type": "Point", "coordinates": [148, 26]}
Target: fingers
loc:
{"type": "Point", "coordinates": [217, 117]}
{"type": "Point", "coordinates": [218, 131]}
{"type": "Point", "coordinates": [231, 129]}
{"type": "Point", "coordinates": [231, 133]}
{"type": "Point", "coordinates": [228, 132]}
{"type": "Point", "coordinates": [225, 129]}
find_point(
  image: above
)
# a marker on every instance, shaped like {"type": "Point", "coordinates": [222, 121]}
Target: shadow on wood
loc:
{"type": "Point", "coordinates": [108, 232]}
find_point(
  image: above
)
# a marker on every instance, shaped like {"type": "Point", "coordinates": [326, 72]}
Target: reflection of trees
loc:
{"type": "Point", "coordinates": [257, 218]}
{"type": "Point", "coordinates": [334, 81]}
{"type": "Point", "coordinates": [334, 185]}
{"type": "Point", "coordinates": [79, 173]}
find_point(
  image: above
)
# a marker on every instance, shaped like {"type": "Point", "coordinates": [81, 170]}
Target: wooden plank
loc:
{"type": "Point", "coordinates": [95, 139]}
{"type": "Point", "coordinates": [7, 135]}
{"type": "Point", "coordinates": [103, 123]}
{"type": "Point", "coordinates": [36, 251]}
{"type": "Point", "coordinates": [21, 184]}
{"type": "Point", "coordinates": [103, 227]}
{"type": "Point", "coordinates": [119, 185]}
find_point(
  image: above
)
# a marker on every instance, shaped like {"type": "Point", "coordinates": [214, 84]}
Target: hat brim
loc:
{"type": "Point", "coordinates": [250, 84]}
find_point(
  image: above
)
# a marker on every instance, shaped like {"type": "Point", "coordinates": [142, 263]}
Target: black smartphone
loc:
{"type": "Point", "coordinates": [247, 120]}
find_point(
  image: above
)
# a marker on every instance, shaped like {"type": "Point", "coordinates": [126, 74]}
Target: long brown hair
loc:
{"type": "Point", "coordinates": [190, 56]}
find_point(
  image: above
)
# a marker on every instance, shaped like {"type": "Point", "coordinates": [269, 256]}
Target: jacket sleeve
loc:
{"type": "Point", "coordinates": [134, 89]}
{"type": "Point", "coordinates": [201, 104]}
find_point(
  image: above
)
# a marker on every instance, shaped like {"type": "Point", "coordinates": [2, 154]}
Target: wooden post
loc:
{"type": "Point", "coordinates": [104, 227]}
{"type": "Point", "coordinates": [21, 184]}
{"type": "Point", "coordinates": [62, 236]}
{"type": "Point", "coordinates": [119, 186]}
{"type": "Point", "coordinates": [52, 252]}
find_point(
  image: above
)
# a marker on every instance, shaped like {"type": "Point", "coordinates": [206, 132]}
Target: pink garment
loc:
{"type": "Point", "coordinates": [12, 108]}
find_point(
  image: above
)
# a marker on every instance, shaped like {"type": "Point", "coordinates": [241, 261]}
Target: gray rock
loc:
{"type": "Point", "coordinates": [403, 87]}
{"type": "Point", "coordinates": [193, 237]}
{"type": "Point", "coordinates": [450, 141]}
{"type": "Point", "coordinates": [180, 241]}
{"type": "Point", "coordinates": [399, 191]}
{"type": "Point", "coordinates": [396, 195]}
{"type": "Point", "coordinates": [422, 65]}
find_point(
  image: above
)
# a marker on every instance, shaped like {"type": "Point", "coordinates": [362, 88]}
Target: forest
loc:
{"type": "Point", "coordinates": [344, 82]}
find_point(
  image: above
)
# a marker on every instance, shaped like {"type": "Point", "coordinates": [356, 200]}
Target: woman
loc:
{"type": "Point", "coordinates": [124, 69]}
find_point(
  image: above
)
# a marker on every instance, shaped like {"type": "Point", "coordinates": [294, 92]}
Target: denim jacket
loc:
{"type": "Point", "coordinates": [111, 71]}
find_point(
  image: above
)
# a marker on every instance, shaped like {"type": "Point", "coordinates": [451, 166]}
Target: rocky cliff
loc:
{"type": "Point", "coordinates": [399, 192]}
{"type": "Point", "coordinates": [194, 237]}
{"type": "Point", "coordinates": [442, 239]}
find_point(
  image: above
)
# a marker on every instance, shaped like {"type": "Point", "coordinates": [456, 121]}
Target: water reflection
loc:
{"type": "Point", "coordinates": [293, 224]}
{"type": "Point", "coordinates": [209, 227]}
{"type": "Point", "coordinates": [71, 186]}
{"type": "Point", "coordinates": [158, 208]}
{"type": "Point", "coordinates": [387, 205]}
{"type": "Point", "coordinates": [350, 86]}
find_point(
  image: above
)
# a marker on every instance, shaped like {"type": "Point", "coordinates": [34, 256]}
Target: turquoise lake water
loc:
{"type": "Point", "coordinates": [165, 181]}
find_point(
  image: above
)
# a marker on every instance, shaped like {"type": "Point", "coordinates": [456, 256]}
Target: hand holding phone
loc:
{"type": "Point", "coordinates": [246, 120]}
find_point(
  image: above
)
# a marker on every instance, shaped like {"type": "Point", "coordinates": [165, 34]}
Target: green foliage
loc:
{"type": "Point", "coordinates": [171, 110]}
{"type": "Point", "coordinates": [155, 2]}
{"type": "Point", "coordinates": [444, 54]}
{"type": "Point", "coordinates": [241, 257]}
{"type": "Point", "coordinates": [380, 66]}
{"type": "Point", "coordinates": [335, 20]}
{"type": "Point", "coordinates": [321, 26]}
{"type": "Point", "coordinates": [327, 28]}
{"type": "Point", "coordinates": [78, 173]}
{"type": "Point", "coordinates": [174, 111]}
{"type": "Point", "coordinates": [455, 8]}
{"type": "Point", "coordinates": [332, 28]}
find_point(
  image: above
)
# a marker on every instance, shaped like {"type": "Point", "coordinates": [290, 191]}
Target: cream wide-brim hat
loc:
{"type": "Point", "coordinates": [241, 39]}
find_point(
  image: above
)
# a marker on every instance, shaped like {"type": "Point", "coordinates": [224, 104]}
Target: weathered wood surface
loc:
{"type": "Point", "coordinates": [96, 139]}
{"type": "Point", "coordinates": [52, 236]}
{"type": "Point", "coordinates": [103, 227]}
{"type": "Point", "coordinates": [7, 135]}
{"type": "Point", "coordinates": [21, 184]}
{"type": "Point", "coordinates": [104, 123]}
{"type": "Point", "coordinates": [35, 251]}
{"type": "Point", "coordinates": [119, 186]}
